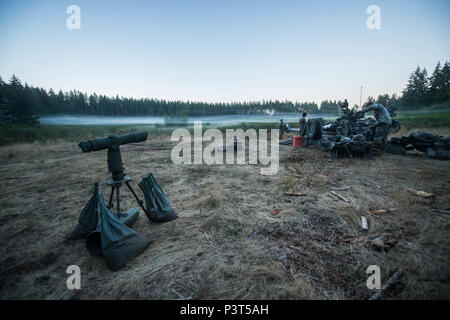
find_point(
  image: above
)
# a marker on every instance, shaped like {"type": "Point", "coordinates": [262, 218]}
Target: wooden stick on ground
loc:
{"type": "Point", "coordinates": [297, 194]}
{"type": "Point", "coordinates": [339, 188]}
{"type": "Point", "coordinates": [339, 196]}
{"type": "Point", "coordinates": [392, 280]}
{"type": "Point", "coordinates": [422, 194]}
{"type": "Point", "coordinates": [381, 211]}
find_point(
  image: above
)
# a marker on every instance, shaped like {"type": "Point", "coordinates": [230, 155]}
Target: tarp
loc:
{"type": "Point", "coordinates": [157, 205]}
{"type": "Point", "coordinates": [114, 240]}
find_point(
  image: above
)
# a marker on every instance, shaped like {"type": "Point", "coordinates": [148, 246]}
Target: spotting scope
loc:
{"type": "Point", "coordinates": [113, 143]}
{"type": "Point", "coordinates": [112, 140]}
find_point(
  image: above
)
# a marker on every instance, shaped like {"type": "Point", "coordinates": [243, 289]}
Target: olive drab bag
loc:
{"type": "Point", "coordinates": [158, 208]}
{"type": "Point", "coordinates": [88, 219]}
{"type": "Point", "coordinates": [113, 239]}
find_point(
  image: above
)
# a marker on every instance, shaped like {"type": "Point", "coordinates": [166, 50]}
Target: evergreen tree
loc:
{"type": "Point", "coordinates": [383, 99]}
{"type": "Point", "coordinates": [22, 103]}
{"type": "Point", "coordinates": [370, 100]}
{"type": "Point", "coordinates": [4, 109]}
{"type": "Point", "coordinates": [416, 91]}
{"type": "Point", "coordinates": [443, 94]}
{"type": "Point", "coordinates": [436, 84]}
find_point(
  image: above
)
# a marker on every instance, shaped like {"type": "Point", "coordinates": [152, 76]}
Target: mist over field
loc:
{"type": "Point", "coordinates": [218, 120]}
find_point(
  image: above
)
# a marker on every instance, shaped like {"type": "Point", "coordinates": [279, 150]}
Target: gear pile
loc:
{"type": "Point", "coordinates": [432, 145]}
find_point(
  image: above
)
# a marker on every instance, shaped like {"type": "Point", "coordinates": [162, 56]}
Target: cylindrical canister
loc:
{"type": "Point", "coordinates": [297, 141]}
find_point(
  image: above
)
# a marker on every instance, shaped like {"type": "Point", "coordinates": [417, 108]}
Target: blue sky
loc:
{"type": "Point", "coordinates": [223, 50]}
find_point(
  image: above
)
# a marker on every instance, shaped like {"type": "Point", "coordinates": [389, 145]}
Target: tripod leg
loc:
{"type": "Point", "coordinates": [118, 199]}
{"type": "Point", "coordinates": [110, 204]}
{"type": "Point", "coordinates": [139, 201]}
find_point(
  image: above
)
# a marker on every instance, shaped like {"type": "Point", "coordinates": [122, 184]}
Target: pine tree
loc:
{"type": "Point", "coordinates": [3, 101]}
{"type": "Point", "coordinates": [416, 91]}
{"type": "Point", "coordinates": [435, 84]}
{"type": "Point", "coordinates": [444, 93]}
{"type": "Point", "coordinates": [23, 104]}
{"type": "Point", "coordinates": [370, 100]}
{"type": "Point", "coordinates": [383, 99]}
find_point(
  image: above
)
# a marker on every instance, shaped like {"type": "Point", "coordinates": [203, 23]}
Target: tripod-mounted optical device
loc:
{"type": "Point", "coordinates": [109, 234]}
{"type": "Point", "coordinates": [115, 166]}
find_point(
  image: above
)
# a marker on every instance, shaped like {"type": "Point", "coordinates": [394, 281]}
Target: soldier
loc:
{"type": "Point", "coordinates": [302, 123]}
{"type": "Point", "coordinates": [281, 130]}
{"type": "Point", "coordinates": [383, 123]}
{"type": "Point", "coordinates": [344, 105]}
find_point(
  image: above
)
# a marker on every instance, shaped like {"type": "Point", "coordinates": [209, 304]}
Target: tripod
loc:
{"type": "Point", "coordinates": [115, 166]}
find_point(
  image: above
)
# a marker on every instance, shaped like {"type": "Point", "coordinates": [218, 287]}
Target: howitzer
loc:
{"type": "Point", "coordinates": [350, 123]}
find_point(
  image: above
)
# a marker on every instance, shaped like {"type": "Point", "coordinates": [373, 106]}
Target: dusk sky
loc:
{"type": "Point", "coordinates": [222, 51]}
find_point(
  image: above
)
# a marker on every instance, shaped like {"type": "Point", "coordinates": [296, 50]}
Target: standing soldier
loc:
{"type": "Point", "coordinates": [281, 130]}
{"type": "Point", "coordinates": [383, 123]}
{"type": "Point", "coordinates": [344, 104]}
{"type": "Point", "coordinates": [302, 123]}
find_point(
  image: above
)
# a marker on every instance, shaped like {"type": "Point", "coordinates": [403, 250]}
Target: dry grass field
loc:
{"type": "Point", "coordinates": [238, 236]}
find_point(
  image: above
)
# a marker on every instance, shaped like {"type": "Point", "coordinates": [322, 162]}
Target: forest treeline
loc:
{"type": "Point", "coordinates": [21, 103]}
